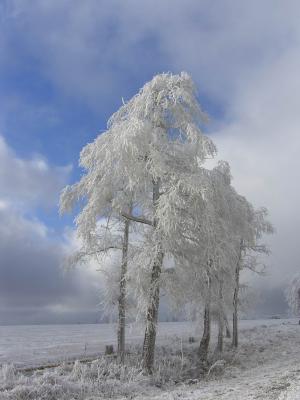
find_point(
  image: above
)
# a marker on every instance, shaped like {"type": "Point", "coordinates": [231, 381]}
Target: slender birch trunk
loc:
{"type": "Point", "coordinates": [235, 341]}
{"type": "Point", "coordinates": [219, 347]}
{"type": "Point", "coordinates": [235, 314]}
{"type": "Point", "coordinates": [122, 297]}
{"type": "Point", "coordinates": [204, 343]}
{"type": "Point", "coordinates": [153, 305]}
{"type": "Point", "coordinates": [227, 328]}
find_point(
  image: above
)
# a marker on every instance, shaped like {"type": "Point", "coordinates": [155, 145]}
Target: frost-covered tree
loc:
{"type": "Point", "coordinates": [205, 249]}
{"type": "Point", "coordinates": [101, 191]}
{"type": "Point", "coordinates": [148, 169]}
{"type": "Point", "coordinates": [207, 272]}
{"type": "Point", "coordinates": [238, 229]}
{"type": "Point", "coordinates": [292, 294]}
{"type": "Point", "coordinates": [153, 149]}
{"type": "Point", "coordinates": [248, 251]}
{"type": "Point", "coordinates": [161, 127]}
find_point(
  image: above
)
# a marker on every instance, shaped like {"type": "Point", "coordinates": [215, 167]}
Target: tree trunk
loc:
{"type": "Point", "coordinates": [122, 297]}
{"type": "Point", "coordinates": [153, 304]}
{"type": "Point", "coordinates": [152, 316]}
{"type": "Point", "coordinates": [228, 333]}
{"type": "Point", "coordinates": [204, 343]}
{"type": "Point", "coordinates": [235, 319]}
{"type": "Point", "coordinates": [219, 347]}
{"type": "Point", "coordinates": [235, 341]}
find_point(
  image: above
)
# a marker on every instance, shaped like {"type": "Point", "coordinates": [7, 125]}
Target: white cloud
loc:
{"type": "Point", "coordinates": [262, 142]}
{"type": "Point", "coordinates": [91, 50]}
{"type": "Point", "coordinates": [3, 205]}
{"type": "Point", "coordinates": [33, 285]}
{"type": "Point", "coordinates": [31, 182]}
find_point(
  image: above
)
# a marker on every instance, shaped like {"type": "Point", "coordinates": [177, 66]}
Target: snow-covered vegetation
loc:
{"type": "Point", "coordinates": [178, 227]}
{"type": "Point", "coordinates": [265, 366]}
{"type": "Point", "coordinates": [293, 295]}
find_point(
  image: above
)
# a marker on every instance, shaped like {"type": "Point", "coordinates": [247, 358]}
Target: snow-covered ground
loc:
{"type": "Point", "coordinates": [34, 345]}
{"type": "Point", "coordinates": [266, 365]}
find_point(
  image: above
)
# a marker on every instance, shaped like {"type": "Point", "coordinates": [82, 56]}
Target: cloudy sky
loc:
{"type": "Point", "coordinates": [65, 66]}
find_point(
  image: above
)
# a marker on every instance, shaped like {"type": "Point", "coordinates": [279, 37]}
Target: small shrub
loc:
{"type": "Point", "coordinates": [109, 349]}
{"type": "Point", "coordinates": [7, 372]}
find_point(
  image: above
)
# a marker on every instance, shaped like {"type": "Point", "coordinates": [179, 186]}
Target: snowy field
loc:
{"type": "Point", "coordinates": [266, 365]}
{"type": "Point", "coordinates": [35, 345]}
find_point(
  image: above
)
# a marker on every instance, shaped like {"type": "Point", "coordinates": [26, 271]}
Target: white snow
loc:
{"type": "Point", "coordinates": [34, 345]}
{"type": "Point", "coordinates": [266, 365]}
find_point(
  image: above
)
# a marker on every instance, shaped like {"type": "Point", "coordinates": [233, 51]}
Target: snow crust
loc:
{"type": "Point", "coordinates": [266, 366]}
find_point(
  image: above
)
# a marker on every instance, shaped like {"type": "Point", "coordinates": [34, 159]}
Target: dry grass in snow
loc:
{"type": "Point", "coordinates": [266, 366]}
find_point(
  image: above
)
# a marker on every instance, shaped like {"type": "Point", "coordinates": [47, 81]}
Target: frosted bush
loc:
{"type": "Point", "coordinates": [104, 378]}
{"type": "Point", "coordinates": [78, 370]}
{"type": "Point", "coordinates": [7, 373]}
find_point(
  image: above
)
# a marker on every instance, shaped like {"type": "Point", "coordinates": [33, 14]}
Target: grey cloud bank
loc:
{"type": "Point", "coordinates": [33, 286]}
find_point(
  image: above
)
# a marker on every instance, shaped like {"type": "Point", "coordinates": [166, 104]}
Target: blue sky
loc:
{"type": "Point", "coordinates": [65, 67]}
{"type": "Point", "coordinates": [53, 119]}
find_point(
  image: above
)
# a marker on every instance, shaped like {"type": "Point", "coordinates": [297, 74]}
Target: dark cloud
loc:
{"type": "Point", "coordinates": [32, 282]}
{"type": "Point", "coordinates": [33, 285]}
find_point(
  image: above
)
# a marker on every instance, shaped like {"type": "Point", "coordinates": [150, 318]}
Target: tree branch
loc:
{"type": "Point", "coordinates": [142, 220]}
{"type": "Point", "coordinates": [104, 249]}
